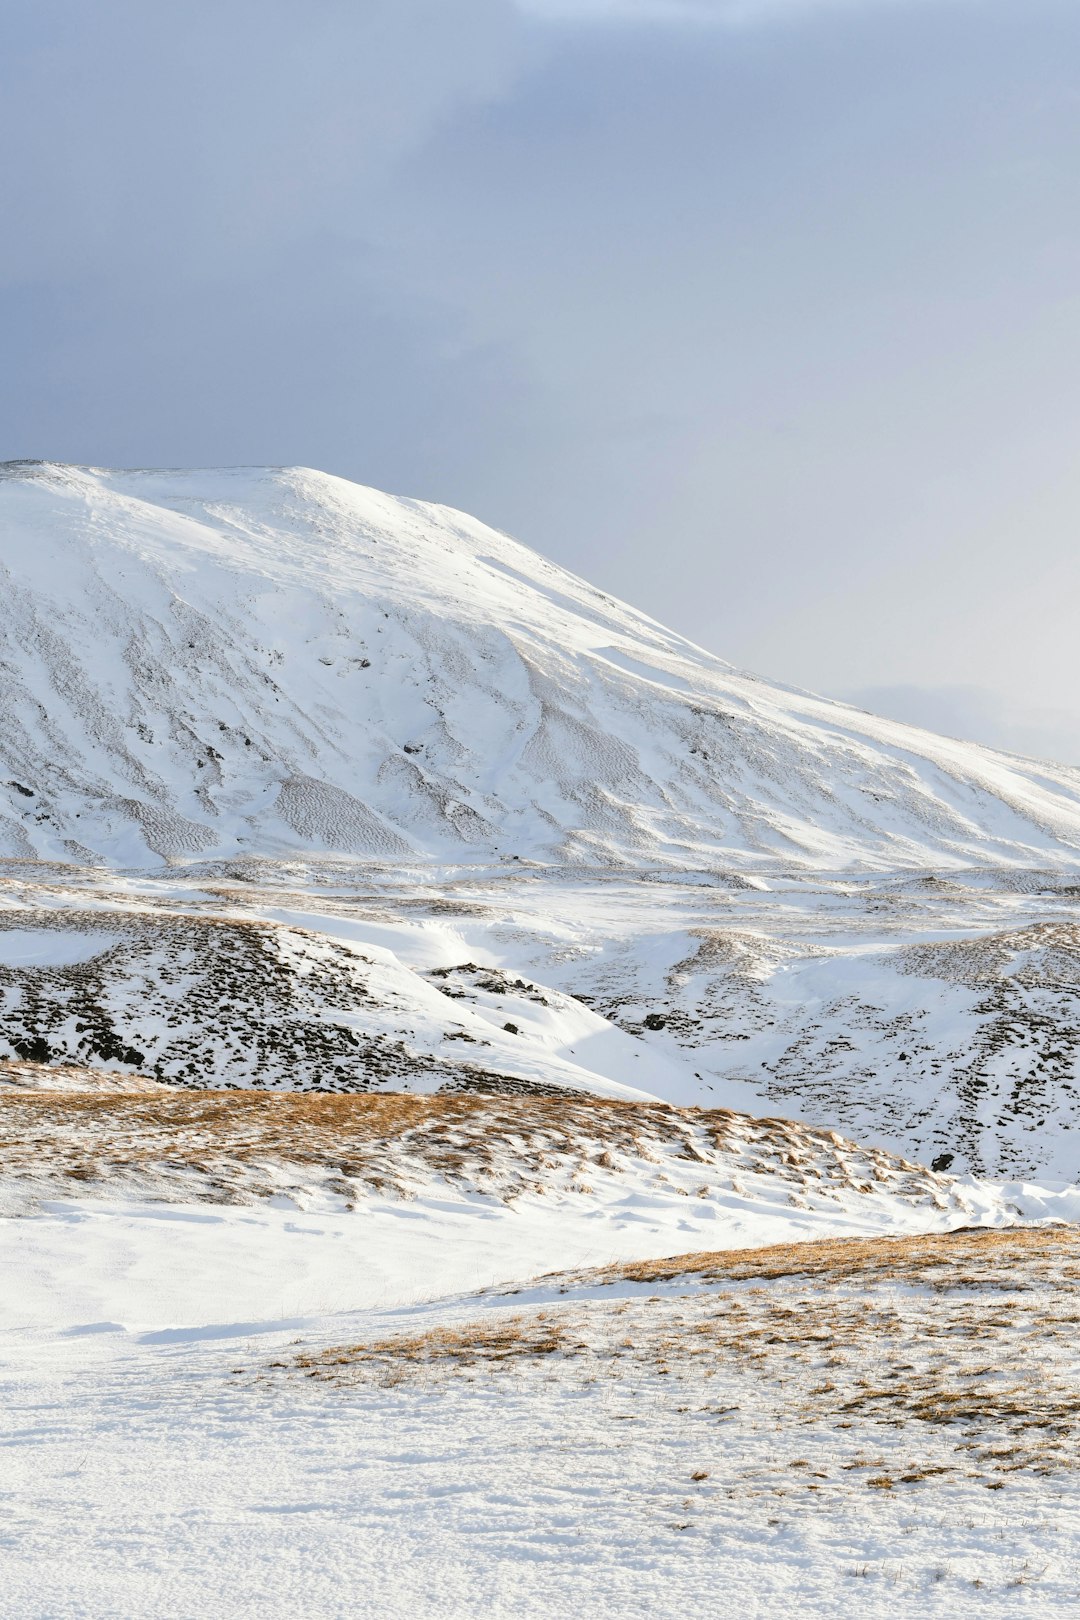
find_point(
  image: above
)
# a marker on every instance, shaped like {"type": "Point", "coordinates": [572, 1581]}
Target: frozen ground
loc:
{"type": "Point", "coordinates": [289, 1354]}
{"type": "Point", "coordinates": [155, 1208]}
{"type": "Point", "coordinates": [297, 1354]}
{"type": "Point", "coordinates": [883, 1428]}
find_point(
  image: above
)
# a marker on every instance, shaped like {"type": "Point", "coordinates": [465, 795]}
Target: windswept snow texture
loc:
{"type": "Point", "coordinates": [822, 1430]}
{"type": "Point", "coordinates": [196, 664]}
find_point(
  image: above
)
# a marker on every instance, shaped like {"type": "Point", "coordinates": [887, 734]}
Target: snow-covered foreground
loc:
{"type": "Point", "coordinates": [183, 1434]}
{"type": "Point", "coordinates": [171, 1212]}
{"type": "Point", "coordinates": [825, 1429]}
{"type": "Point", "coordinates": [192, 1272]}
{"type": "Point", "coordinates": [499, 1445]}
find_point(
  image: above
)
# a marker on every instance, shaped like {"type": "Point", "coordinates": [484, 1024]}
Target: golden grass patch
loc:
{"type": "Point", "coordinates": [486, 1342]}
{"type": "Point", "coordinates": [945, 1343]}
{"type": "Point", "coordinates": [931, 1259]}
{"type": "Point", "coordinates": [379, 1139]}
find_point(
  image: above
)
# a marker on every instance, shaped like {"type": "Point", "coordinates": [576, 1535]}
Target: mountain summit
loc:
{"type": "Point", "coordinates": [199, 664]}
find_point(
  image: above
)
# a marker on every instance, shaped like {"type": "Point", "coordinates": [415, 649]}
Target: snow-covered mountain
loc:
{"type": "Point", "coordinates": [306, 787]}
{"type": "Point", "coordinates": [199, 664]}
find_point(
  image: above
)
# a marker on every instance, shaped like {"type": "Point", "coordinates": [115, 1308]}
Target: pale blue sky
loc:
{"type": "Point", "coordinates": [764, 314]}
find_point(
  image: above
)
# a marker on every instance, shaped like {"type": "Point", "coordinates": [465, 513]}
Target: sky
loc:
{"type": "Point", "coordinates": [762, 314]}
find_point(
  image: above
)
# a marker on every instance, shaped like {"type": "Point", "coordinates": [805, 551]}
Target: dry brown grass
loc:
{"type": "Point", "coordinates": [508, 1144]}
{"type": "Point", "coordinates": [27, 1076]}
{"type": "Point", "coordinates": [932, 1259]}
{"type": "Point", "coordinates": [959, 1347]}
{"type": "Point", "coordinates": [487, 1343]}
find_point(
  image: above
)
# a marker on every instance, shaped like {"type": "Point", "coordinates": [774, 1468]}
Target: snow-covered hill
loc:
{"type": "Point", "coordinates": [940, 1019]}
{"type": "Point", "coordinates": [196, 664]}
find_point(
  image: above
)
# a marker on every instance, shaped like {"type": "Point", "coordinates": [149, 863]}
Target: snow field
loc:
{"type": "Point", "coordinates": [691, 1445]}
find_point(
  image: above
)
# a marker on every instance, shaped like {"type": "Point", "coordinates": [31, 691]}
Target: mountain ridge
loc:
{"type": "Point", "coordinates": [228, 661]}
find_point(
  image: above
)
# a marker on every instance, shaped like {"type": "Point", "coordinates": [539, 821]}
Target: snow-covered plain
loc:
{"type": "Point", "coordinates": [305, 789]}
{"type": "Point", "coordinates": [165, 1453]}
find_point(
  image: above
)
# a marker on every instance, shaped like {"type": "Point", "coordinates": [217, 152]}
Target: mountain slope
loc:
{"type": "Point", "coordinates": [196, 664]}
